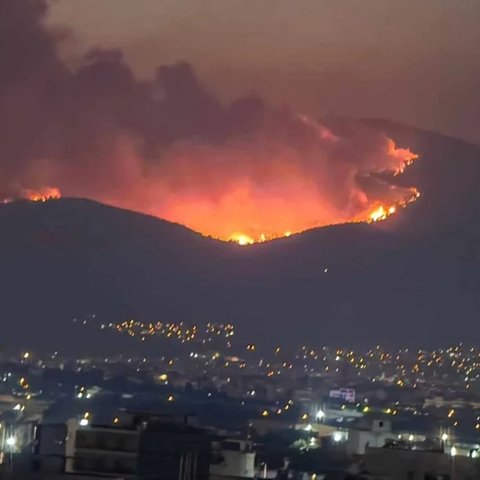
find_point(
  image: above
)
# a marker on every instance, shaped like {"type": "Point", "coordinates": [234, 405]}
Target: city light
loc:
{"type": "Point", "coordinates": [337, 436]}
{"type": "Point", "coordinates": [11, 441]}
{"type": "Point", "coordinates": [310, 360]}
{"type": "Point", "coordinates": [320, 415]}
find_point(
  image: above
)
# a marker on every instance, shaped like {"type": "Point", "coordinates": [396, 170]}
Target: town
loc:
{"type": "Point", "coordinates": [215, 409]}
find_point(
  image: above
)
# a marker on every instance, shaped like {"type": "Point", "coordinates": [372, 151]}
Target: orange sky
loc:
{"type": "Point", "coordinates": [409, 60]}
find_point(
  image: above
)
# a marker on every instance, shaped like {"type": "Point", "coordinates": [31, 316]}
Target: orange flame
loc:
{"type": "Point", "coordinates": [263, 193]}
{"type": "Point", "coordinates": [374, 213]}
{"type": "Point", "coordinates": [275, 197]}
{"type": "Point", "coordinates": [243, 239]}
{"type": "Point", "coordinates": [43, 194]}
{"type": "Point", "coordinates": [382, 212]}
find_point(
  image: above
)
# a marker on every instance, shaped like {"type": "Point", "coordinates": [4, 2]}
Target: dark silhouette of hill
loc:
{"type": "Point", "coordinates": [414, 279]}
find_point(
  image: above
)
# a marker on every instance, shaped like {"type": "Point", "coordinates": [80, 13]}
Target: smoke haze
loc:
{"type": "Point", "coordinates": [407, 60]}
{"type": "Point", "coordinates": [171, 148]}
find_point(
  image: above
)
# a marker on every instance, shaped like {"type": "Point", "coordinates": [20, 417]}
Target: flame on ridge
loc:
{"type": "Point", "coordinates": [244, 213]}
{"type": "Point", "coordinates": [43, 194]}
{"type": "Point", "coordinates": [378, 213]}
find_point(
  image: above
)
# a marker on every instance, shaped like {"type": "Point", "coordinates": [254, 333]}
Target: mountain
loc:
{"type": "Point", "coordinates": [411, 280]}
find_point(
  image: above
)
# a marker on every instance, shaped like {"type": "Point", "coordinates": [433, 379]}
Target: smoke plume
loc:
{"type": "Point", "coordinates": [245, 171]}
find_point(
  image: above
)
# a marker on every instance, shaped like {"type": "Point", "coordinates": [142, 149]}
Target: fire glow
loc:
{"type": "Point", "coordinates": [256, 197]}
{"type": "Point", "coordinates": [248, 207]}
{"type": "Point", "coordinates": [378, 214]}
{"type": "Point", "coordinates": [43, 195]}
{"type": "Point", "coordinates": [242, 171]}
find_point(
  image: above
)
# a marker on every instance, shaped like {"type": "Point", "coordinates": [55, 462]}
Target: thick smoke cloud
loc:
{"type": "Point", "coordinates": [170, 148]}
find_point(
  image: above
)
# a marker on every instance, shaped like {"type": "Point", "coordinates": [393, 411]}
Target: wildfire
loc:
{"type": "Point", "coordinates": [261, 189]}
{"type": "Point", "coordinates": [255, 192]}
{"type": "Point", "coordinates": [377, 213]}
{"type": "Point", "coordinates": [243, 239]}
{"type": "Point", "coordinates": [242, 171]}
{"type": "Point", "coordinates": [43, 194]}
{"type": "Point", "coordinates": [35, 195]}
{"type": "Point", "coordinates": [382, 212]}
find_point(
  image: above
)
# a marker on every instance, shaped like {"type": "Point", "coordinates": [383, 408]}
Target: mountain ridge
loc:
{"type": "Point", "coordinates": [395, 281]}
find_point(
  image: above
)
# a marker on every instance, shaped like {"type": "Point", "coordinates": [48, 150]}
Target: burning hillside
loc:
{"type": "Point", "coordinates": [244, 172]}
{"type": "Point", "coordinates": [42, 195]}
{"type": "Point", "coordinates": [274, 187]}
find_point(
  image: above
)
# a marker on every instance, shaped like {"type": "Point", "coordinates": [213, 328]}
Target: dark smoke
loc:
{"type": "Point", "coordinates": [168, 146]}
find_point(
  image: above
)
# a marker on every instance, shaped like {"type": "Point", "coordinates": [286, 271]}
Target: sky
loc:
{"type": "Point", "coordinates": [406, 60]}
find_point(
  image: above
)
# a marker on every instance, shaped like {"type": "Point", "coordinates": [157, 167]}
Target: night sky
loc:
{"type": "Point", "coordinates": [408, 60]}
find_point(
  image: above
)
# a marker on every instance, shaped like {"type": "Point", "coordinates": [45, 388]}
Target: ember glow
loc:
{"type": "Point", "coordinates": [255, 195]}
{"type": "Point", "coordinates": [42, 195]}
{"type": "Point", "coordinates": [35, 195]}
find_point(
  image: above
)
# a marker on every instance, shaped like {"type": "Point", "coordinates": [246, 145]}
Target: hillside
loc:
{"type": "Point", "coordinates": [413, 279]}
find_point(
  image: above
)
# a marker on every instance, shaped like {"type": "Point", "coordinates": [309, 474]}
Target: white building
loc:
{"type": "Point", "coordinates": [375, 435]}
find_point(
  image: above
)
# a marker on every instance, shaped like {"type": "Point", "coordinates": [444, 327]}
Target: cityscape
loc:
{"type": "Point", "coordinates": [268, 412]}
